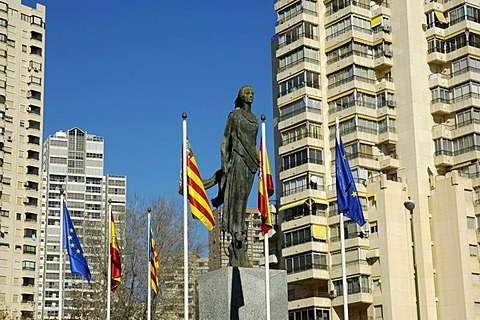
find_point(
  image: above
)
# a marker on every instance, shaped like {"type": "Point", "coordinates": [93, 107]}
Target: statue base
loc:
{"type": "Point", "coordinates": [239, 294]}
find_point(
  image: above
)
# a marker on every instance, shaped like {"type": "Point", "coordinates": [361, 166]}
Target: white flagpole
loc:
{"type": "Point", "coordinates": [60, 285]}
{"type": "Point", "coordinates": [109, 276]}
{"type": "Point", "coordinates": [149, 293]}
{"type": "Point", "coordinates": [342, 244]}
{"type": "Point", "coordinates": [185, 217]}
{"type": "Point", "coordinates": [266, 245]}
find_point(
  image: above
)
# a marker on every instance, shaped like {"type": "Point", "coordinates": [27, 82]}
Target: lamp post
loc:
{"type": "Point", "coordinates": [410, 205]}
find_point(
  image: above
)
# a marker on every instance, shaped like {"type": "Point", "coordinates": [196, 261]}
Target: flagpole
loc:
{"type": "Point", "coordinates": [265, 239]}
{"type": "Point", "coordinates": [185, 223]}
{"type": "Point", "coordinates": [109, 276]}
{"type": "Point", "coordinates": [342, 244]}
{"type": "Point", "coordinates": [149, 293]}
{"type": "Point", "coordinates": [60, 285]}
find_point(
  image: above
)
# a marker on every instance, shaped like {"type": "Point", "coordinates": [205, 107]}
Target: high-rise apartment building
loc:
{"type": "Point", "coordinates": [403, 79]}
{"type": "Point", "coordinates": [22, 38]}
{"type": "Point", "coordinates": [74, 162]}
{"type": "Point", "coordinates": [218, 243]}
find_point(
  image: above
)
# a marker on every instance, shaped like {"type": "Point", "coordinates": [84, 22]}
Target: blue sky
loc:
{"type": "Point", "coordinates": [126, 70]}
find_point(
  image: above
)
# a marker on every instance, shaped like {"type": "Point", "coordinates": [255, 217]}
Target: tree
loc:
{"type": "Point", "coordinates": [129, 300]}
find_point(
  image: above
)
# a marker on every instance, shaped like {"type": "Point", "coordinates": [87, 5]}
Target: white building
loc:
{"type": "Point", "coordinates": [74, 161]}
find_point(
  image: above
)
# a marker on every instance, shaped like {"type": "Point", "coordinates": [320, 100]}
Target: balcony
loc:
{"type": "Point", "coordinates": [443, 158]}
{"type": "Point", "coordinates": [319, 300]}
{"type": "Point", "coordinates": [298, 116]}
{"type": "Point", "coordinates": [352, 268]}
{"type": "Point", "coordinates": [383, 60]}
{"type": "Point", "coordinates": [389, 162]}
{"type": "Point", "coordinates": [436, 55]}
{"type": "Point", "coordinates": [352, 240]}
{"type": "Point", "coordinates": [310, 272]}
{"type": "Point", "coordinates": [356, 296]}
{"type": "Point", "coordinates": [440, 107]}
{"type": "Point", "coordinates": [387, 135]}
{"type": "Point", "coordinates": [348, 33]}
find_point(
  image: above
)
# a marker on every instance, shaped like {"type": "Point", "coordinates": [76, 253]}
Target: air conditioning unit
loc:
{"type": "Point", "coordinates": [387, 29]}
{"type": "Point", "coordinates": [391, 103]}
{"type": "Point", "coordinates": [36, 69]}
{"type": "Point", "coordinates": [29, 68]}
{"type": "Point", "coordinates": [388, 54]}
{"type": "Point", "coordinates": [29, 108]}
{"type": "Point", "coordinates": [25, 184]}
{"type": "Point", "coordinates": [333, 294]}
{"type": "Point", "coordinates": [9, 139]}
{"type": "Point", "coordinates": [26, 200]}
{"type": "Point", "coordinates": [29, 94]}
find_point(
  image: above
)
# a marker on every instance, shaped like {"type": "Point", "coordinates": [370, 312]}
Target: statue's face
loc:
{"type": "Point", "coordinates": [247, 95]}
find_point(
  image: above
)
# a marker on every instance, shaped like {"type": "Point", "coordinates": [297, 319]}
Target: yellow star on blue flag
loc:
{"type": "Point", "coordinates": [347, 195]}
{"type": "Point", "coordinates": [78, 263]}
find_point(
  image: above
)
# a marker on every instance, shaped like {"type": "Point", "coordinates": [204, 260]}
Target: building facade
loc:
{"type": "Point", "coordinates": [218, 243]}
{"type": "Point", "coordinates": [22, 38]}
{"type": "Point", "coordinates": [403, 79]}
{"type": "Point", "coordinates": [74, 163]}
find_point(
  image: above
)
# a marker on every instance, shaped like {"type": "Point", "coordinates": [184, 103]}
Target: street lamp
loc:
{"type": "Point", "coordinates": [410, 205]}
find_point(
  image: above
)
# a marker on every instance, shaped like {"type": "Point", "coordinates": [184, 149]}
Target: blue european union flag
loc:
{"type": "Point", "coordinates": [78, 263]}
{"type": "Point", "coordinates": [347, 195]}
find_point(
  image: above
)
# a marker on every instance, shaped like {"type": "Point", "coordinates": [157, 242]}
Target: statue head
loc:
{"type": "Point", "coordinates": [245, 94]}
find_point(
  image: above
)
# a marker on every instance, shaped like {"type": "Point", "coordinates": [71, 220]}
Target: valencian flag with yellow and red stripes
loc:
{"type": "Point", "coordinates": [265, 191]}
{"type": "Point", "coordinates": [153, 259]}
{"type": "Point", "coordinates": [199, 206]}
{"type": "Point", "coordinates": [116, 263]}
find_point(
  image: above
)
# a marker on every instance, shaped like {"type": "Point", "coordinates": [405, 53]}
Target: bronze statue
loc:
{"type": "Point", "coordinates": [240, 161]}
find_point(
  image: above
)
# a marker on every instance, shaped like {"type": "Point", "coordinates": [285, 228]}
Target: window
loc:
{"type": "Point", "coordinates": [28, 265]}
{"type": "Point", "coordinates": [373, 227]}
{"type": "Point", "coordinates": [471, 223]}
{"type": "Point", "coordinates": [477, 308]}
{"type": "Point", "coordinates": [306, 261]}
{"type": "Point", "coordinates": [476, 279]}
{"type": "Point", "coordinates": [378, 312]}
{"type": "Point", "coordinates": [29, 249]}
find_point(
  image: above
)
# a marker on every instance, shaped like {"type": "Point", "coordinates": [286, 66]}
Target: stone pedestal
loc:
{"type": "Point", "coordinates": [239, 294]}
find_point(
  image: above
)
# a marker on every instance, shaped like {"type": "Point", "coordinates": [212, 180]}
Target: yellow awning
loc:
{"type": "Point", "coordinates": [300, 202]}
{"type": "Point", "coordinates": [376, 21]}
{"type": "Point", "coordinates": [455, 34]}
{"type": "Point", "coordinates": [366, 92]}
{"type": "Point", "coordinates": [340, 95]}
{"type": "Point", "coordinates": [362, 116]}
{"type": "Point", "coordinates": [319, 232]}
{"type": "Point", "coordinates": [337, 45]}
{"type": "Point", "coordinates": [440, 16]}
{"type": "Point", "coordinates": [291, 101]}
{"type": "Point", "coordinates": [463, 164]}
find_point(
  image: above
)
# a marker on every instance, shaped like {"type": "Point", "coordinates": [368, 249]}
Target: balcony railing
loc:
{"type": "Point", "coordinates": [314, 135]}
{"type": "Point", "coordinates": [345, 4]}
{"type": "Point", "coordinates": [296, 13]}
{"type": "Point", "coordinates": [296, 62]}
{"type": "Point", "coordinates": [299, 163]}
{"type": "Point", "coordinates": [297, 87]}
{"type": "Point", "coordinates": [469, 95]}
{"type": "Point", "coordinates": [350, 53]}
{"type": "Point", "coordinates": [308, 266]}
{"type": "Point", "coordinates": [303, 188]}
{"type": "Point", "coordinates": [300, 111]}
{"type": "Point", "coordinates": [347, 29]}
{"type": "Point", "coordinates": [353, 103]}
{"type": "Point", "coordinates": [300, 241]}
{"type": "Point", "coordinates": [350, 78]}
{"type": "Point", "coordinates": [351, 235]}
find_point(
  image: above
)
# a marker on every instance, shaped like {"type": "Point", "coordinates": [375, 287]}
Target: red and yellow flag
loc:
{"type": "Point", "coordinates": [153, 259]}
{"type": "Point", "coordinates": [115, 256]}
{"type": "Point", "coordinates": [199, 206]}
{"type": "Point", "coordinates": [265, 191]}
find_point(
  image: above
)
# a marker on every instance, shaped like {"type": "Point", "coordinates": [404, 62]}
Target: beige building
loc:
{"type": "Point", "coordinates": [403, 78]}
{"type": "Point", "coordinates": [171, 303]}
{"type": "Point", "coordinates": [74, 162]}
{"type": "Point", "coordinates": [22, 38]}
{"type": "Point", "coordinates": [218, 243]}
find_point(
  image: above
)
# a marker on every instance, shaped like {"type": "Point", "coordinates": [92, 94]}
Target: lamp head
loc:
{"type": "Point", "coordinates": [409, 205]}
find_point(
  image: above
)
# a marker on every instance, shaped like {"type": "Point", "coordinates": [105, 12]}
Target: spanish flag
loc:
{"type": "Point", "coordinates": [265, 191]}
{"type": "Point", "coordinates": [199, 206]}
{"type": "Point", "coordinates": [115, 256]}
{"type": "Point", "coordinates": [153, 259]}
